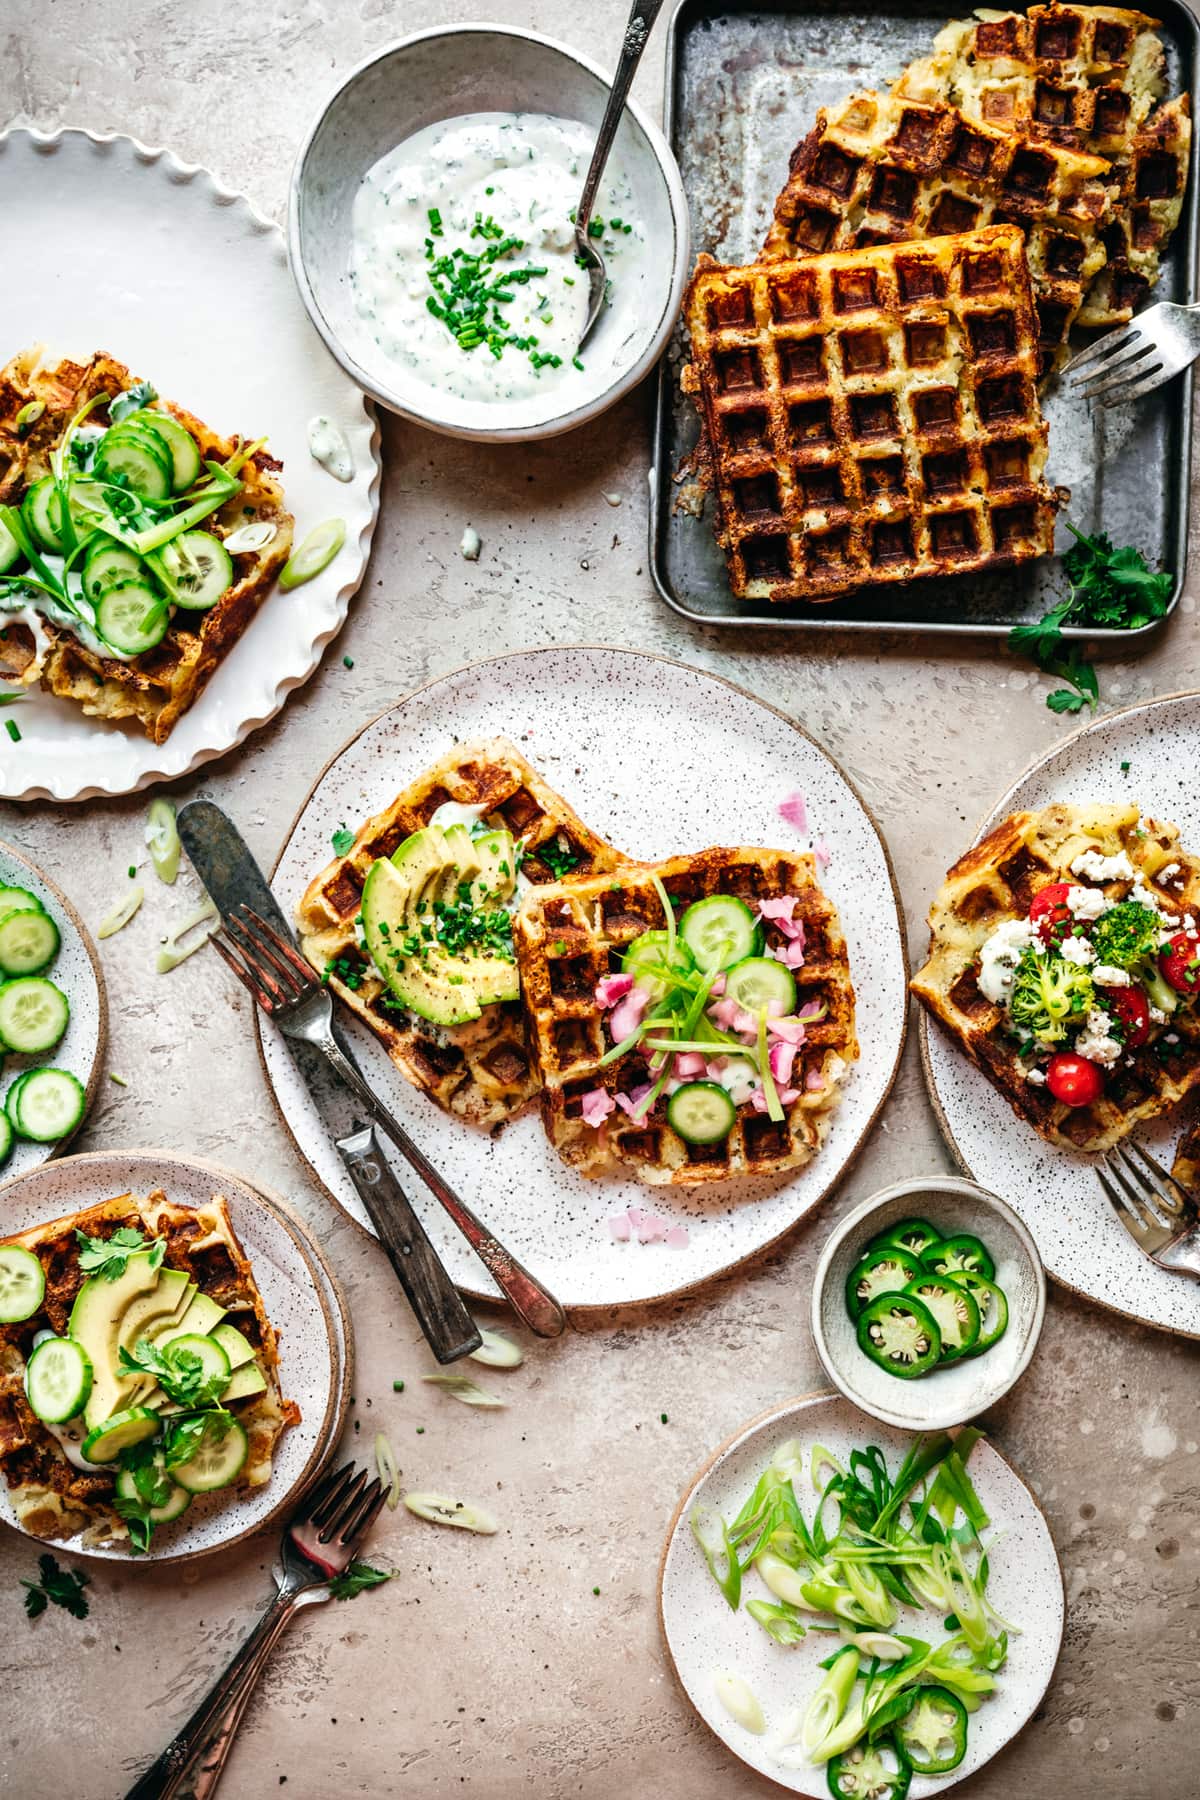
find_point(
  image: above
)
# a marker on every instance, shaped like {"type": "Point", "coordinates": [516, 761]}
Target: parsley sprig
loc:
{"type": "Point", "coordinates": [109, 1256]}
{"type": "Point", "coordinates": [1110, 588]}
{"type": "Point", "coordinates": [343, 840]}
{"type": "Point", "coordinates": [58, 1587]}
{"type": "Point", "coordinates": [356, 1578]}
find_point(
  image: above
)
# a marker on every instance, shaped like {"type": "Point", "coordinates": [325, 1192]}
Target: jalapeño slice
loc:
{"type": "Point", "coordinates": [992, 1302]}
{"type": "Point", "coordinates": [955, 1256]}
{"type": "Point", "coordinates": [914, 1235]}
{"type": "Point", "coordinates": [878, 1771]}
{"type": "Point", "coordinates": [955, 1309]}
{"type": "Point", "coordinates": [900, 1334]}
{"type": "Point", "coordinates": [933, 1736]}
{"type": "Point", "coordinates": [883, 1271]}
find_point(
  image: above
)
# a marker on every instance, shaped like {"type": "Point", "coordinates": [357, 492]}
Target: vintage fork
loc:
{"type": "Point", "coordinates": [1160, 1216]}
{"type": "Point", "coordinates": [1137, 358]}
{"type": "Point", "coordinates": [289, 992]}
{"type": "Point", "coordinates": [320, 1542]}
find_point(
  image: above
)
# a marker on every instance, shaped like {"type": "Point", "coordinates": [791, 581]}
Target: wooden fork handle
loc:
{"type": "Point", "coordinates": [525, 1294]}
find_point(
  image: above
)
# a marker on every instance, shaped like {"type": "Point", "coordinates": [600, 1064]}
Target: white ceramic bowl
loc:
{"type": "Point", "coordinates": [959, 1391]}
{"type": "Point", "coordinates": [442, 74]}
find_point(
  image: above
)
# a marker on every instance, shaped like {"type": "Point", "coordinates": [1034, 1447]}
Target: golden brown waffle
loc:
{"type": "Point", "coordinates": [871, 416]}
{"type": "Point", "coordinates": [479, 1071]}
{"type": "Point", "coordinates": [997, 880]}
{"type": "Point", "coordinates": [1089, 78]}
{"type": "Point", "coordinates": [158, 687]}
{"type": "Point", "coordinates": [570, 935]}
{"type": "Point", "coordinates": [1186, 1167]}
{"type": "Point", "coordinates": [52, 1498]}
{"type": "Point", "coordinates": [877, 169]}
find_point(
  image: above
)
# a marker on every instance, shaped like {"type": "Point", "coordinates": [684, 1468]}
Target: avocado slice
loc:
{"type": "Point", "coordinates": [95, 1324]}
{"type": "Point", "coordinates": [237, 1347]}
{"type": "Point", "coordinates": [200, 1316]}
{"type": "Point", "coordinates": [162, 1304]}
{"type": "Point", "coordinates": [462, 865]}
{"type": "Point", "coordinates": [498, 869]}
{"type": "Point", "coordinates": [432, 985]}
{"type": "Point", "coordinates": [243, 1382]}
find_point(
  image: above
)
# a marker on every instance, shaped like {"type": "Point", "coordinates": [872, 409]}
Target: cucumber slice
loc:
{"type": "Point", "coordinates": [28, 942]}
{"type": "Point", "coordinates": [177, 1501]}
{"type": "Point", "coordinates": [58, 1379]}
{"type": "Point", "coordinates": [132, 617]}
{"type": "Point", "coordinates": [41, 510]}
{"type": "Point", "coordinates": [197, 569]}
{"type": "Point", "coordinates": [217, 1462]}
{"type": "Point", "coordinates": [14, 899]}
{"type": "Point", "coordinates": [646, 957]}
{"type": "Point", "coordinates": [180, 445]}
{"type": "Point", "coordinates": [701, 1112]}
{"type": "Point", "coordinates": [720, 931]}
{"type": "Point", "coordinates": [51, 1104]}
{"type": "Point", "coordinates": [121, 1432]}
{"type": "Point", "coordinates": [761, 981]}
{"type": "Point", "coordinates": [141, 458]}
{"type": "Point", "coordinates": [213, 1358]}
{"type": "Point", "coordinates": [10, 550]}
{"type": "Point", "coordinates": [7, 1134]}
{"type": "Point", "coordinates": [110, 565]}
{"type": "Point", "coordinates": [33, 1014]}
{"type": "Point", "coordinates": [13, 1099]}
{"type": "Point", "coordinates": [22, 1284]}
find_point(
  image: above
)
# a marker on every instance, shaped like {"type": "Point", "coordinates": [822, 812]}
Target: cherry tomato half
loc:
{"type": "Point", "coordinates": [1133, 1010]}
{"type": "Point", "coordinates": [1050, 912]}
{"type": "Point", "coordinates": [1073, 1079]}
{"type": "Point", "coordinates": [1179, 961]}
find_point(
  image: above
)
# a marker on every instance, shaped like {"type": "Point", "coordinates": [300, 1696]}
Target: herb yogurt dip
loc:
{"type": "Point", "coordinates": [463, 264]}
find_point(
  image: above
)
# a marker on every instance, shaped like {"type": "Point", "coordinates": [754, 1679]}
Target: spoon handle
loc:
{"type": "Point", "coordinates": [642, 15]}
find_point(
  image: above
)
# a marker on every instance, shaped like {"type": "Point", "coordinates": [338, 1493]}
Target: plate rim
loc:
{"type": "Point", "coordinates": [181, 172]}
{"type": "Point", "coordinates": [296, 1230]}
{"type": "Point", "coordinates": [596, 1308]}
{"type": "Point", "coordinates": [56, 1150]}
{"type": "Point", "coordinates": [800, 1403]}
{"type": "Point", "coordinates": [923, 1023]}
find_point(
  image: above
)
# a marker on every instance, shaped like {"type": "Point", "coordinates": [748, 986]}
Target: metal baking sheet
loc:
{"type": "Point", "coordinates": [743, 85]}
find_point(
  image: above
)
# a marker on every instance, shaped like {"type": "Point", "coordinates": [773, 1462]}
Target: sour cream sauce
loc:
{"type": "Point", "coordinates": [525, 172]}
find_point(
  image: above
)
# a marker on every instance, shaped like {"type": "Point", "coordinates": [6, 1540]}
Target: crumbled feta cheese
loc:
{"type": "Point", "coordinates": [1172, 1037]}
{"type": "Point", "coordinates": [1094, 1040]}
{"type": "Point", "coordinates": [1103, 868]}
{"type": "Point", "coordinates": [1142, 894]}
{"type": "Point", "coordinates": [1166, 873]}
{"type": "Point", "coordinates": [470, 544]}
{"type": "Point", "coordinates": [1157, 1015]}
{"type": "Point", "coordinates": [1077, 950]}
{"type": "Point", "coordinates": [1189, 923]}
{"type": "Point", "coordinates": [999, 955]}
{"type": "Point", "coordinates": [1087, 903]}
{"type": "Point", "coordinates": [1036, 1077]}
{"type": "Point", "coordinates": [1108, 975]}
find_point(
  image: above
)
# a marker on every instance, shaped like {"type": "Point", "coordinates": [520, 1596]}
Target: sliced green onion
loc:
{"type": "Point", "coordinates": [314, 554]}
{"type": "Point", "coordinates": [781, 1622]}
{"type": "Point", "coordinates": [162, 840]}
{"type": "Point", "coordinates": [29, 415]}
{"type": "Point", "coordinates": [716, 1545]}
{"type": "Point", "coordinates": [497, 1351]}
{"type": "Point", "coordinates": [255, 536]}
{"type": "Point", "coordinates": [669, 912]}
{"type": "Point", "coordinates": [386, 1469]}
{"type": "Point", "coordinates": [443, 1509]}
{"type": "Point", "coordinates": [461, 1387]}
{"type": "Point", "coordinates": [774, 1109]}
{"type": "Point", "coordinates": [122, 912]}
{"type": "Point", "coordinates": [176, 949]}
{"type": "Point", "coordinates": [828, 1705]}
{"type": "Point", "coordinates": [739, 1701]}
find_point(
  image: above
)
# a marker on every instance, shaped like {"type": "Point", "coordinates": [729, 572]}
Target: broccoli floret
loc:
{"type": "Point", "coordinates": [1048, 994]}
{"type": "Point", "coordinates": [1126, 935]}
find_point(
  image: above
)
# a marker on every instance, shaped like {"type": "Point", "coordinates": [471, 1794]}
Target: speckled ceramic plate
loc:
{"type": "Point", "coordinates": [212, 318]}
{"type": "Point", "coordinates": [1056, 1191]}
{"type": "Point", "coordinates": [76, 970]}
{"type": "Point", "coordinates": [658, 758]}
{"type": "Point", "coordinates": [311, 1363]}
{"type": "Point", "coordinates": [703, 1636]}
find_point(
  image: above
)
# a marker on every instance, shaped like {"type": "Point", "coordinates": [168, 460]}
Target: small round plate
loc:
{"type": "Point", "coordinates": [312, 1365]}
{"type": "Point", "coordinates": [658, 758]}
{"type": "Point", "coordinates": [1144, 753]}
{"type": "Point", "coordinates": [76, 970]}
{"type": "Point", "coordinates": [954, 1392]}
{"type": "Point", "coordinates": [703, 1636]}
{"type": "Point", "coordinates": [212, 319]}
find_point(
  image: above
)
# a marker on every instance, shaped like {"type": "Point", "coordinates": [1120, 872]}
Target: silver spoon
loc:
{"type": "Point", "coordinates": [642, 15]}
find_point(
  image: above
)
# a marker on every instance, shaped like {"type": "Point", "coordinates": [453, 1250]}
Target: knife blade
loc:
{"type": "Point", "coordinates": [232, 878]}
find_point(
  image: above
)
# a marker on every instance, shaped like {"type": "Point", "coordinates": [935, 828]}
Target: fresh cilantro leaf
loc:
{"type": "Point", "coordinates": [179, 1372]}
{"type": "Point", "coordinates": [63, 1587]}
{"type": "Point", "coordinates": [358, 1576]}
{"type": "Point", "coordinates": [343, 840]}
{"type": "Point", "coordinates": [185, 1436]}
{"type": "Point", "coordinates": [83, 451]}
{"type": "Point", "coordinates": [1063, 700]}
{"type": "Point", "coordinates": [108, 1256]}
{"type": "Point", "coordinates": [136, 1515]}
{"type": "Point", "coordinates": [133, 400]}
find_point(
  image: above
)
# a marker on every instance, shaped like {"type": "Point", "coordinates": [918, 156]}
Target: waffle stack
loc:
{"type": "Point", "coordinates": [997, 880]}
{"type": "Point", "coordinates": [877, 169]}
{"type": "Point", "coordinates": [572, 934]}
{"type": "Point", "coordinates": [871, 415]}
{"type": "Point", "coordinates": [1091, 79]}
{"type": "Point", "coordinates": [157, 688]}
{"type": "Point", "coordinates": [480, 1071]}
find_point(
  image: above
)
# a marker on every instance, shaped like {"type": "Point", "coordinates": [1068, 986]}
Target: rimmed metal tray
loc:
{"type": "Point", "coordinates": [743, 85]}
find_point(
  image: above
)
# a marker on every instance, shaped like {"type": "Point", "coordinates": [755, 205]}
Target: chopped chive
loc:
{"type": "Point", "coordinates": [119, 1079]}
{"type": "Point", "coordinates": [347, 662]}
{"type": "Point", "coordinates": [13, 730]}
{"type": "Point", "coordinates": [397, 1387]}
{"type": "Point", "coordinates": [132, 870]}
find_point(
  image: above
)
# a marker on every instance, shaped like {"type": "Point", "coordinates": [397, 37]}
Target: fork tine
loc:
{"type": "Point", "coordinates": [254, 954]}
{"type": "Point", "coordinates": [288, 951]}
{"type": "Point", "coordinates": [347, 1506]}
{"type": "Point", "coordinates": [1104, 347]}
{"type": "Point", "coordinates": [252, 936]}
{"type": "Point", "coordinates": [1123, 368]}
{"type": "Point", "coordinates": [365, 1514]}
{"type": "Point", "coordinates": [331, 1495]}
{"type": "Point", "coordinates": [242, 972]}
{"type": "Point", "coordinates": [1171, 1195]}
{"type": "Point", "coordinates": [1154, 378]}
{"type": "Point", "coordinates": [1131, 1219]}
{"type": "Point", "coordinates": [1137, 1195]}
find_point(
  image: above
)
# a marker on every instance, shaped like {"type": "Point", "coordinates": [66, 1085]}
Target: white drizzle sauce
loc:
{"type": "Point", "coordinates": [328, 446]}
{"type": "Point", "coordinates": [524, 171]}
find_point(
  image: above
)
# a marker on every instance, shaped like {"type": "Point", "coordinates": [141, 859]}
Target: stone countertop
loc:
{"type": "Point", "coordinates": [489, 1668]}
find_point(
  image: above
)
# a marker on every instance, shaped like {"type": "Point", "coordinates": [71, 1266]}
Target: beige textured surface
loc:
{"type": "Point", "coordinates": [489, 1668]}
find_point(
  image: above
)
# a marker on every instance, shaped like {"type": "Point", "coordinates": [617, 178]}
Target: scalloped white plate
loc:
{"type": "Point", "coordinates": [703, 1636]}
{"type": "Point", "coordinates": [1145, 753]}
{"type": "Point", "coordinates": [659, 758]}
{"type": "Point", "coordinates": [126, 249]}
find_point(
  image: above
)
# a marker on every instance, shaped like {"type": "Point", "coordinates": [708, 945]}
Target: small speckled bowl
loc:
{"type": "Point", "coordinates": [444, 73]}
{"type": "Point", "coordinates": [955, 1392]}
